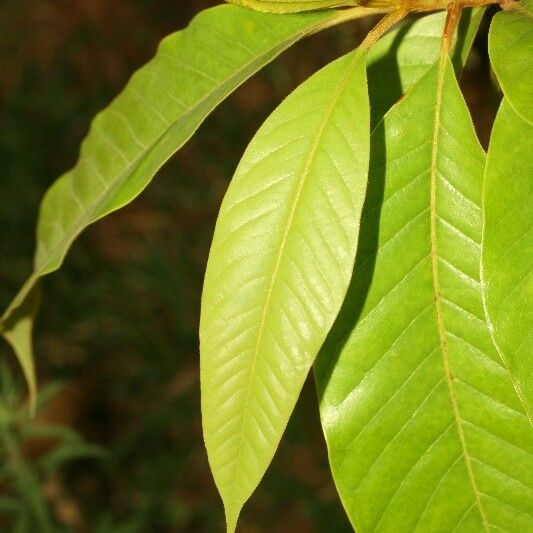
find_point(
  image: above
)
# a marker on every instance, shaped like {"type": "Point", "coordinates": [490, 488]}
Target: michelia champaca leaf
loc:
{"type": "Point", "coordinates": [510, 45]}
{"type": "Point", "coordinates": [508, 245]}
{"type": "Point", "coordinates": [424, 428]}
{"type": "Point", "coordinates": [279, 266]}
{"type": "Point", "coordinates": [158, 111]}
{"type": "Point", "coordinates": [292, 6]}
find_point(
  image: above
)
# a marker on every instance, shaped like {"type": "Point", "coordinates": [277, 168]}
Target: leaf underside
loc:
{"type": "Point", "coordinates": [424, 428]}
{"type": "Point", "coordinates": [279, 266]}
{"type": "Point", "coordinates": [508, 245]}
{"type": "Point", "coordinates": [158, 111]}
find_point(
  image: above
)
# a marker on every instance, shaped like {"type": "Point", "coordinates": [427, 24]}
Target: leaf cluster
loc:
{"type": "Point", "coordinates": [365, 234]}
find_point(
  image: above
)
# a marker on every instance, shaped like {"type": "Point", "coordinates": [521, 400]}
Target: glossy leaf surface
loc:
{"type": "Point", "coordinates": [510, 49]}
{"type": "Point", "coordinates": [279, 266]}
{"type": "Point", "coordinates": [158, 111]}
{"type": "Point", "coordinates": [424, 428]}
{"type": "Point", "coordinates": [508, 245]}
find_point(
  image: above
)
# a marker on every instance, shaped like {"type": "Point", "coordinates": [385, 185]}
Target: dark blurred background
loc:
{"type": "Point", "coordinates": [116, 337]}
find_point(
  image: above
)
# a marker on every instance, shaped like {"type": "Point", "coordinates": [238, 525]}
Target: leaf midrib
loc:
{"type": "Point", "coordinates": [443, 65]}
{"type": "Point", "coordinates": [288, 225]}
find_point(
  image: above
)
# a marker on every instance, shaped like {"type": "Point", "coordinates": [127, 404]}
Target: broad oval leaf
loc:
{"type": "Point", "coordinates": [508, 245]}
{"type": "Point", "coordinates": [280, 263]}
{"type": "Point", "coordinates": [158, 111]}
{"type": "Point", "coordinates": [292, 6]}
{"type": "Point", "coordinates": [424, 428]}
{"type": "Point", "coordinates": [510, 49]}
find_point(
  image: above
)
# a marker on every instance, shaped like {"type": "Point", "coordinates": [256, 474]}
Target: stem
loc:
{"type": "Point", "coordinates": [452, 20]}
{"type": "Point", "coordinates": [421, 6]}
{"type": "Point", "coordinates": [512, 5]}
{"type": "Point", "coordinates": [384, 25]}
{"type": "Point", "coordinates": [353, 13]}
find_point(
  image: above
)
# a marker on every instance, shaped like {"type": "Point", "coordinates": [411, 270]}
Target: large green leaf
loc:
{"type": "Point", "coordinates": [511, 54]}
{"type": "Point", "coordinates": [279, 266]}
{"type": "Point", "coordinates": [424, 428]}
{"type": "Point", "coordinates": [291, 6]}
{"type": "Point", "coordinates": [508, 245]}
{"type": "Point", "coordinates": [158, 111]}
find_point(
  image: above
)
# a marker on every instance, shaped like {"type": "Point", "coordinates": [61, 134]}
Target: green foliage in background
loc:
{"type": "Point", "coordinates": [364, 224]}
{"type": "Point", "coordinates": [27, 505]}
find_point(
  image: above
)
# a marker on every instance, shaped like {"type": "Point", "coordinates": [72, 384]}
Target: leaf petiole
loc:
{"type": "Point", "coordinates": [384, 25]}
{"type": "Point", "coordinates": [454, 14]}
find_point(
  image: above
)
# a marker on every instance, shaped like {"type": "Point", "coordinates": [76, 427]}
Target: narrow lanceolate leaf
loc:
{"type": "Point", "coordinates": [510, 49]}
{"type": "Point", "coordinates": [159, 110]}
{"type": "Point", "coordinates": [424, 428]}
{"type": "Point", "coordinates": [280, 263]}
{"type": "Point", "coordinates": [508, 245]}
{"type": "Point", "coordinates": [291, 6]}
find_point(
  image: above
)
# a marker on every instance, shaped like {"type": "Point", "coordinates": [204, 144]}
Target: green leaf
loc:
{"type": "Point", "coordinates": [70, 451]}
{"type": "Point", "coordinates": [50, 431]}
{"type": "Point", "coordinates": [424, 428]}
{"type": "Point", "coordinates": [278, 270]}
{"type": "Point", "coordinates": [404, 55]}
{"type": "Point", "coordinates": [158, 111]}
{"type": "Point", "coordinates": [11, 505]}
{"type": "Point", "coordinates": [508, 245]}
{"type": "Point", "coordinates": [16, 327]}
{"type": "Point", "coordinates": [292, 6]}
{"type": "Point", "coordinates": [510, 49]}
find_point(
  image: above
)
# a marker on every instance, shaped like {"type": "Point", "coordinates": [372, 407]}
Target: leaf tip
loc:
{"type": "Point", "coordinates": [232, 509]}
{"type": "Point", "coordinates": [16, 327]}
{"type": "Point", "coordinates": [232, 516]}
{"type": "Point", "coordinates": [25, 359]}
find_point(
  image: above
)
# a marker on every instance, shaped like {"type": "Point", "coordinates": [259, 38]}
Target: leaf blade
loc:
{"type": "Point", "coordinates": [510, 43]}
{"type": "Point", "coordinates": [419, 414]}
{"type": "Point", "coordinates": [264, 266]}
{"type": "Point", "coordinates": [507, 245]}
{"type": "Point", "coordinates": [401, 57]}
{"type": "Point", "coordinates": [18, 333]}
